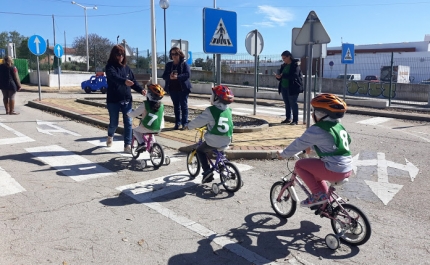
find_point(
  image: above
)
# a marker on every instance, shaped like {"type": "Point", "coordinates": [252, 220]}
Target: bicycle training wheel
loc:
{"type": "Point", "coordinates": [283, 204]}
{"type": "Point", "coordinates": [156, 155]}
{"type": "Point", "coordinates": [353, 222]}
{"type": "Point", "coordinates": [193, 164]}
{"type": "Point", "coordinates": [134, 145]}
{"type": "Point", "coordinates": [230, 177]}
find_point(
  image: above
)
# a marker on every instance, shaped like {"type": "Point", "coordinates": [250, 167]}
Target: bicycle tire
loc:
{"type": "Point", "coordinates": [134, 145]}
{"type": "Point", "coordinates": [289, 205]}
{"type": "Point", "coordinates": [156, 155]}
{"type": "Point", "coordinates": [230, 174]}
{"type": "Point", "coordinates": [354, 231]}
{"type": "Point", "coordinates": [193, 164]}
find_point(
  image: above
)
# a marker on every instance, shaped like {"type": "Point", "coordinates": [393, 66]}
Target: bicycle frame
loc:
{"type": "Point", "coordinates": [149, 139]}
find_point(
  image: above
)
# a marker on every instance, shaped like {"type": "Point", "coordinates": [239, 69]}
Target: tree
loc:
{"type": "Point", "coordinates": [99, 49]}
{"type": "Point", "coordinates": [206, 66]}
{"type": "Point", "coordinates": [14, 37]}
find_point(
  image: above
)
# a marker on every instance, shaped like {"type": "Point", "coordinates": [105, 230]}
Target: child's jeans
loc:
{"type": "Point", "coordinates": [201, 154]}
{"type": "Point", "coordinates": [313, 172]}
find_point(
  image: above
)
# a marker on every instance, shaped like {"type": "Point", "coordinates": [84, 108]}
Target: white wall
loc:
{"type": "Point", "coordinates": [51, 80]}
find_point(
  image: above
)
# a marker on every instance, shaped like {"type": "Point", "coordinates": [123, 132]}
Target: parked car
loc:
{"type": "Point", "coordinates": [371, 78]}
{"type": "Point", "coordinates": [96, 82]}
{"type": "Point", "coordinates": [355, 77]}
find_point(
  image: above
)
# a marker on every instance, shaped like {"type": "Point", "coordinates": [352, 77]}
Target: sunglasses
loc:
{"type": "Point", "coordinates": [119, 55]}
{"type": "Point", "coordinates": [174, 54]}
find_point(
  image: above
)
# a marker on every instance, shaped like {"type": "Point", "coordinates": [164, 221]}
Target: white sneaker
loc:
{"type": "Point", "coordinates": [109, 141]}
{"type": "Point", "coordinates": [127, 149]}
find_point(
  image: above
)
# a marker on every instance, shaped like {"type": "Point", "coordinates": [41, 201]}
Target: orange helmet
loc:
{"type": "Point", "coordinates": [330, 104]}
{"type": "Point", "coordinates": [155, 92]}
{"type": "Point", "coordinates": [223, 94]}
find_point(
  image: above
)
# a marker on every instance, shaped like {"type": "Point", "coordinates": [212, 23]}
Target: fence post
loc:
{"type": "Point", "coordinates": [391, 79]}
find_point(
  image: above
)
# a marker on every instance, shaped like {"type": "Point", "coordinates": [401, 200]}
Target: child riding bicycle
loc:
{"type": "Point", "coordinates": [152, 112]}
{"type": "Point", "coordinates": [219, 122]}
{"type": "Point", "coordinates": [331, 142]}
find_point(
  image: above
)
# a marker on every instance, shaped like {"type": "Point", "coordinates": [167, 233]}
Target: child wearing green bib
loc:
{"type": "Point", "coordinates": [152, 112]}
{"type": "Point", "coordinates": [219, 122]}
{"type": "Point", "coordinates": [331, 142]}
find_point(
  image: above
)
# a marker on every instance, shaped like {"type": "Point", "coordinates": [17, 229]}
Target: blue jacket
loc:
{"type": "Point", "coordinates": [117, 91]}
{"type": "Point", "coordinates": [184, 74]}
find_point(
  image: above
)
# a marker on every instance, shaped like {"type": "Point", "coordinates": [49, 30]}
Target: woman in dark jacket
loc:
{"type": "Point", "coordinates": [177, 77]}
{"type": "Point", "coordinates": [290, 85]}
{"type": "Point", "coordinates": [119, 79]}
{"type": "Point", "coordinates": [9, 84]}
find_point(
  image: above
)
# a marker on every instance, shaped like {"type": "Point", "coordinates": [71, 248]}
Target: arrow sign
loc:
{"type": "Point", "coordinates": [58, 50]}
{"type": "Point", "coordinates": [37, 45]}
{"type": "Point", "coordinates": [382, 188]}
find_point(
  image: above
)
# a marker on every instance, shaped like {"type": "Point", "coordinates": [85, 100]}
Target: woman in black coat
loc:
{"type": "Point", "coordinates": [9, 84]}
{"type": "Point", "coordinates": [290, 86]}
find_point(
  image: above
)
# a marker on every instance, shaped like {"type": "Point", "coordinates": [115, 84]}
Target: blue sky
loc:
{"type": "Point", "coordinates": [357, 22]}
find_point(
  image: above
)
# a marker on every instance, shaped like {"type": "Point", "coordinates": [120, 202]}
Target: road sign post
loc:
{"type": "Point", "coordinates": [312, 32]}
{"type": "Point", "coordinates": [254, 45]}
{"type": "Point", "coordinates": [37, 45]}
{"type": "Point", "coordinates": [347, 57]}
{"type": "Point", "coordinates": [58, 51]}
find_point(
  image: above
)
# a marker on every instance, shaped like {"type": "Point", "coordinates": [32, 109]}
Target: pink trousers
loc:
{"type": "Point", "coordinates": [313, 172]}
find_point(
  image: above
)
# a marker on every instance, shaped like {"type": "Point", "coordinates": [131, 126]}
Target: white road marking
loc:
{"type": "Point", "coordinates": [382, 188]}
{"type": "Point", "coordinates": [145, 191]}
{"type": "Point", "coordinates": [17, 140]}
{"type": "Point", "coordinates": [76, 167]}
{"type": "Point", "coordinates": [118, 147]}
{"type": "Point", "coordinates": [55, 128]}
{"type": "Point", "coordinates": [8, 185]}
{"type": "Point", "coordinates": [374, 121]}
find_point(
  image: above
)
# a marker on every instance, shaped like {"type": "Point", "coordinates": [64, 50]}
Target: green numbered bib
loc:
{"type": "Point", "coordinates": [153, 119]}
{"type": "Point", "coordinates": [340, 136]}
{"type": "Point", "coordinates": [223, 121]}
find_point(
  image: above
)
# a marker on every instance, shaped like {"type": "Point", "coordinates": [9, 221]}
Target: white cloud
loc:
{"type": "Point", "coordinates": [274, 16]}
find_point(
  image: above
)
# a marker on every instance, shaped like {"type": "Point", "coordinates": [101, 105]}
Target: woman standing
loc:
{"type": "Point", "coordinates": [9, 84]}
{"type": "Point", "coordinates": [177, 77]}
{"type": "Point", "coordinates": [119, 79]}
{"type": "Point", "coordinates": [290, 85]}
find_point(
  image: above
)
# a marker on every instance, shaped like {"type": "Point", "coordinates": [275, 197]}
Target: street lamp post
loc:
{"type": "Point", "coordinates": [86, 30]}
{"type": "Point", "coordinates": [164, 4]}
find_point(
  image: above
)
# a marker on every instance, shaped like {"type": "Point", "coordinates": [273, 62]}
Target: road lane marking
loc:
{"type": "Point", "coordinates": [17, 140]}
{"type": "Point", "coordinates": [8, 185]}
{"type": "Point", "coordinates": [53, 128]}
{"type": "Point", "coordinates": [374, 121]}
{"type": "Point", "coordinates": [145, 191]}
{"type": "Point", "coordinates": [74, 166]}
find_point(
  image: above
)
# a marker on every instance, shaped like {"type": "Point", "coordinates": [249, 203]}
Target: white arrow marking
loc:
{"type": "Point", "coordinates": [384, 191]}
{"type": "Point", "coordinates": [411, 168]}
{"type": "Point", "coordinates": [8, 185]}
{"type": "Point", "coordinates": [56, 129]}
{"type": "Point", "coordinates": [37, 42]}
{"type": "Point", "coordinates": [58, 50]}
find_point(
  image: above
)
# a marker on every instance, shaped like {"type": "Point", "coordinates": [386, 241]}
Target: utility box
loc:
{"type": "Point", "coordinates": [400, 74]}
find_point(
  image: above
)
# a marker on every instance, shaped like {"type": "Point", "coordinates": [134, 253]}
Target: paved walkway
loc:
{"type": "Point", "coordinates": [259, 144]}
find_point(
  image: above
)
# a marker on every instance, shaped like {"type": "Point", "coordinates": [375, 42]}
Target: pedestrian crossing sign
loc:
{"type": "Point", "coordinates": [219, 31]}
{"type": "Point", "coordinates": [348, 53]}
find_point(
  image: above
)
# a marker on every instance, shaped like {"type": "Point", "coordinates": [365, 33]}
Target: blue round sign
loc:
{"type": "Point", "coordinates": [37, 45]}
{"type": "Point", "coordinates": [58, 50]}
{"type": "Point", "coordinates": [331, 63]}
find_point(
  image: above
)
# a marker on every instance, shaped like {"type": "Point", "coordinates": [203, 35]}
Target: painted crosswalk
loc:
{"type": "Point", "coordinates": [8, 185]}
{"type": "Point", "coordinates": [374, 121]}
{"type": "Point", "coordinates": [20, 137]}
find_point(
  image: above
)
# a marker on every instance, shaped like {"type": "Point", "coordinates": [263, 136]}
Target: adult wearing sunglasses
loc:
{"type": "Point", "coordinates": [120, 80]}
{"type": "Point", "coordinates": [177, 83]}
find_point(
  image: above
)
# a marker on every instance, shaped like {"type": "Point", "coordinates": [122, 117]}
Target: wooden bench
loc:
{"type": "Point", "coordinates": [142, 78]}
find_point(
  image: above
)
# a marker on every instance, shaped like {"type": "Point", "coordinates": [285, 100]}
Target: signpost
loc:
{"type": "Point", "coordinates": [348, 56]}
{"type": "Point", "coordinates": [58, 51]}
{"type": "Point", "coordinates": [254, 44]}
{"type": "Point", "coordinates": [190, 58]}
{"type": "Point", "coordinates": [312, 32]}
{"type": "Point", "coordinates": [219, 34]}
{"type": "Point", "coordinates": [37, 45]}
{"type": "Point", "coordinates": [181, 44]}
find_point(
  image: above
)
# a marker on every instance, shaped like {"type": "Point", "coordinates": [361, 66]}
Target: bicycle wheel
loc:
{"type": "Point", "coordinates": [134, 145]}
{"type": "Point", "coordinates": [285, 207]}
{"type": "Point", "coordinates": [156, 155]}
{"type": "Point", "coordinates": [353, 223]}
{"type": "Point", "coordinates": [193, 164]}
{"type": "Point", "coordinates": [230, 177]}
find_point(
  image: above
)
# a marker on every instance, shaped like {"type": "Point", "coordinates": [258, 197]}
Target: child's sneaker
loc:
{"type": "Point", "coordinates": [208, 176]}
{"type": "Point", "coordinates": [315, 199]}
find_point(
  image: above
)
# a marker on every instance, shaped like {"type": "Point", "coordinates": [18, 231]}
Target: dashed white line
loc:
{"type": "Point", "coordinates": [8, 185]}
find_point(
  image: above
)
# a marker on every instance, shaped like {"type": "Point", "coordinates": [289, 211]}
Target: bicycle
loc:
{"type": "Point", "coordinates": [348, 222]}
{"type": "Point", "coordinates": [229, 173]}
{"type": "Point", "coordinates": [156, 152]}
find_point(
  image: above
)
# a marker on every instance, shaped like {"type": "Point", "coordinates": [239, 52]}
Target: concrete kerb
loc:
{"type": "Point", "coordinates": [231, 154]}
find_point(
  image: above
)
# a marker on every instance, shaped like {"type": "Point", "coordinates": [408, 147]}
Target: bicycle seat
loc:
{"type": "Point", "coordinates": [339, 183]}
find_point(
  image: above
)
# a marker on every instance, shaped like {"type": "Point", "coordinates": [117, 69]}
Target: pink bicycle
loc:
{"type": "Point", "coordinates": [156, 152]}
{"type": "Point", "coordinates": [349, 223]}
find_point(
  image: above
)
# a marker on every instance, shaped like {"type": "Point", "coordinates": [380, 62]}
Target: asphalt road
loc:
{"type": "Point", "coordinates": [67, 199]}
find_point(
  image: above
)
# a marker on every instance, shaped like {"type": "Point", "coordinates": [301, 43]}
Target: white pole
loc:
{"type": "Point", "coordinates": [153, 43]}
{"type": "Point", "coordinates": [86, 35]}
